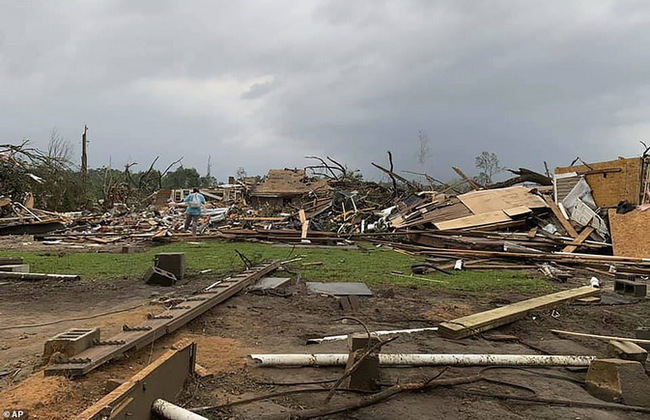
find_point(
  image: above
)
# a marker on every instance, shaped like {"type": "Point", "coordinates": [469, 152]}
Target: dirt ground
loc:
{"type": "Point", "coordinates": [249, 324]}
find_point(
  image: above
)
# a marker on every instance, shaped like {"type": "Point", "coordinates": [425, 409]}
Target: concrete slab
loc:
{"type": "Point", "coordinates": [269, 283]}
{"type": "Point", "coordinates": [619, 380]}
{"type": "Point", "coordinates": [339, 289]}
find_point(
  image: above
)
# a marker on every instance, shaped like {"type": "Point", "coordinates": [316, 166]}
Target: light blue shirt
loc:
{"type": "Point", "coordinates": [194, 211]}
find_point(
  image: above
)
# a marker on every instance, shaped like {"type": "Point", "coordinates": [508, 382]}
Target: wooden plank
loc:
{"type": "Point", "coordinates": [470, 181]}
{"type": "Point", "coordinates": [305, 224]}
{"type": "Point", "coordinates": [472, 221]}
{"type": "Point", "coordinates": [483, 321]}
{"type": "Point", "coordinates": [517, 211]}
{"type": "Point", "coordinates": [580, 239]}
{"type": "Point", "coordinates": [164, 378]}
{"type": "Point", "coordinates": [560, 217]}
{"type": "Point", "coordinates": [500, 199]}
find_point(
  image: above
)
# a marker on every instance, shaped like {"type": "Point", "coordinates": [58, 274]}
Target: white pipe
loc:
{"type": "Point", "coordinates": [169, 411]}
{"type": "Point", "coordinates": [345, 336]}
{"type": "Point", "coordinates": [317, 360]}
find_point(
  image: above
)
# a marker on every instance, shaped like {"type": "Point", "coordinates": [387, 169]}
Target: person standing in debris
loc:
{"type": "Point", "coordinates": [194, 202]}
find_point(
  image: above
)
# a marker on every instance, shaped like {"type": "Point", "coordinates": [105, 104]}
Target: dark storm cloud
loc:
{"type": "Point", "coordinates": [260, 84]}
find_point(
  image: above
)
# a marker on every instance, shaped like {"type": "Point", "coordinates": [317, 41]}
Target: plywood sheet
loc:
{"type": "Point", "coordinates": [629, 233]}
{"type": "Point", "coordinates": [611, 187]}
{"type": "Point", "coordinates": [474, 221]}
{"type": "Point", "coordinates": [479, 202]}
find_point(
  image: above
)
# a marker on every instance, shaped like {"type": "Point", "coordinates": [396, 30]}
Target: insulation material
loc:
{"type": "Point", "coordinates": [629, 233]}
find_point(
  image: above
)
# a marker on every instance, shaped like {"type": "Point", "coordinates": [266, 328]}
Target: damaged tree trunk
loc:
{"type": "Point", "coordinates": [523, 175]}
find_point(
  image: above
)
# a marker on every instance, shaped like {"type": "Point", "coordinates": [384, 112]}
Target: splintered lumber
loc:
{"type": "Point", "coordinates": [483, 321]}
{"type": "Point", "coordinates": [560, 217]}
{"type": "Point", "coordinates": [580, 239]}
{"type": "Point", "coordinates": [475, 185]}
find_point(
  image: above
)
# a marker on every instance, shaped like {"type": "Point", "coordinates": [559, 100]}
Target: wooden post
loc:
{"type": "Point", "coordinates": [366, 376]}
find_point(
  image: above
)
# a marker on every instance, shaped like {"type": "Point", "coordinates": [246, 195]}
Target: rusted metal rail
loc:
{"type": "Point", "coordinates": [138, 336]}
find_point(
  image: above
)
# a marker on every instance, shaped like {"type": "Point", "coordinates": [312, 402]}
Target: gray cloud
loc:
{"type": "Point", "coordinates": [261, 84]}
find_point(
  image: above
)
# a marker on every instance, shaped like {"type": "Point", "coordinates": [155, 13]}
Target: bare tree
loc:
{"type": "Point", "coordinates": [423, 149]}
{"type": "Point", "coordinates": [59, 150]}
{"type": "Point", "coordinates": [488, 163]}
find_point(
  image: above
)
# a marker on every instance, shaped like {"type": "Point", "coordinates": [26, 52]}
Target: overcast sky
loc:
{"type": "Point", "coordinates": [261, 84]}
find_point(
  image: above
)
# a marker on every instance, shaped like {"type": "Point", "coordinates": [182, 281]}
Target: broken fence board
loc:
{"type": "Point", "coordinates": [483, 321]}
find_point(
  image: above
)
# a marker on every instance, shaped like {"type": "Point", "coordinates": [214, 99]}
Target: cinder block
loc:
{"type": "Point", "coordinates": [627, 350]}
{"type": "Point", "coordinates": [15, 268]}
{"type": "Point", "coordinates": [630, 288]}
{"type": "Point", "coordinates": [159, 277]}
{"type": "Point", "coordinates": [71, 342]}
{"type": "Point", "coordinates": [174, 262]}
{"type": "Point", "coordinates": [625, 276]}
{"type": "Point", "coordinates": [617, 380]}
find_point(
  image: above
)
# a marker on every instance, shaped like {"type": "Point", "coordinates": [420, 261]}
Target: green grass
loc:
{"type": "Point", "coordinates": [370, 265]}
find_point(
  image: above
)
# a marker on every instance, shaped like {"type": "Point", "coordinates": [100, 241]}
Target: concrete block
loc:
{"type": "Point", "coordinates": [160, 277]}
{"type": "Point", "coordinates": [627, 351]}
{"type": "Point", "coordinates": [71, 342]}
{"type": "Point", "coordinates": [644, 334]}
{"type": "Point", "coordinates": [617, 380]}
{"type": "Point", "coordinates": [367, 376]}
{"type": "Point", "coordinates": [174, 262]}
{"type": "Point", "coordinates": [15, 268]}
{"type": "Point", "coordinates": [627, 287]}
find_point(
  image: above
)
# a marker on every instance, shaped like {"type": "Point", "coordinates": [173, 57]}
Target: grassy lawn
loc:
{"type": "Point", "coordinates": [370, 265]}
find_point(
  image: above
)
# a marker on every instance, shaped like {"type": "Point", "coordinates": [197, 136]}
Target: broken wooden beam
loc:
{"type": "Point", "coordinates": [580, 239]}
{"type": "Point", "coordinates": [164, 378]}
{"type": "Point", "coordinates": [560, 217]}
{"type": "Point", "coordinates": [483, 321]}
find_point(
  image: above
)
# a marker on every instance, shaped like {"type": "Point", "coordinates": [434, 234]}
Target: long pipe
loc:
{"type": "Point", "coordinates": [345, 336]}
{"type": "Point", "coordinates": [169, 411]}
{"type": "Point", "coordinates": [317, 360]}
